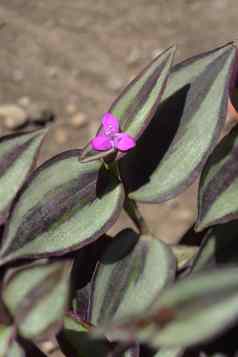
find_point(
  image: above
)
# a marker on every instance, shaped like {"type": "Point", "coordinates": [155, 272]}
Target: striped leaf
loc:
{"type": "Point", "coordinates": [184, 131]}
{"type": "Point", "coordinates": [138, 102]}
{"type": "Point", "coordinates": [169, 352]}
{"type": "Point", "coordinates": [75, 341]}
{"type": "Point", "coordinates": [127, 281]}
{"type": "Point", "coordinates": [219, 247]}
{"type": "Point", "coordinates": [37, 296]}
{"type": "Point", "coordinates": [219, 184]}
{"type": "Point", "coordinates": [188, 313]}
{"type": "Point", "coordinates": [17, 156]}
{"type": "Point", "coordinates": [8, 346]}
{"type": "Point", "coordinates": [63, 206]}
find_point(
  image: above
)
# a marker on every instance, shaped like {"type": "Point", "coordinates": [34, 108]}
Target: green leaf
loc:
{"type": "Point", "coordinates": [130, 276]}
{"type": "Point", "coordinates": [138, 102]}
{"type": "Point", "coordinates": [219, 247]}
{"type": "Point", "coordinates": [75, 341]}
{"type": "Point", "coordinates": [8, 346]}
{"type": "Point", "coordinates": [37, 296]}
{"type": "Point", "coordinates": [188, 313]}
{"type": "Point", "coordinates": [170, 154]}
{"type": "Point", "coordinates": [17, 156]}
{"type": "Point", "coordinates": [63, 206]}
{"type": "Point", "coordinates": [169, 352]}
{"type": "Point", "coordinates": [219, 184]}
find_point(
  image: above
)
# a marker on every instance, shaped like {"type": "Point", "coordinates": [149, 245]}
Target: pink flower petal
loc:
{"type": "Point", "coordinates": [110, 123]}
{"type": "Point", "coordinates": [124, 142]}
{"type": "Point", "coordinates": [101, 143]}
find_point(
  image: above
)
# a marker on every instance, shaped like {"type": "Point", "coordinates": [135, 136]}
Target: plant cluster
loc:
{"type": "Point", "coordinates": [63, 277]}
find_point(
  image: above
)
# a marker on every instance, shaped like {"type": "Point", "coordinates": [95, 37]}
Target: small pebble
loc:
{"type": "Point", "coordinates": [78, 120]}
{"type": "Point", "coordinates": [134, 56]}
{"type": "Point", "coordinates": [115, 83]}
{"type": "Point", "coordinates": [71, 108]}
{"type": "Point", "coordinates": [24, 102]}
{"type": "Point", "coordinates": [18, 75]}
{"type": "Point", "coordinates": [53, 72]}
{"type": "Point", "coordinates": [61, 136]}
{"type": "Point", "coordinates": [12, 116]}
{"type": "Point", "coordinates": [39, 114]}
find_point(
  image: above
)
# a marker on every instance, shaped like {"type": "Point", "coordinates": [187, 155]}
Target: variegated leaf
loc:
{"type": "Point", "coordinates": [8, 346]}
{"type": "Point", "coordinates": [188, 313]}
{"type": "Point", "coordinates": [37, 296]}
{"type": "Point", "coordinates": [169, 352]}
{"type": "Point", "coordinates": [219, 184]}
{"type": "Point", "coordinates": [64, 205]}
{"type": "Point", "coordinates": [17, 156]}
{"type": "Point", "coordinates": [127, 279]}
{"type": "Point", "coordinates": [219, 248]}
{"type": "Point", "coordinates": [75, 341]}
{"type": "Point", "coordinates": [138, 102]}
{"type": "Point", "coordinates": [173, 149]}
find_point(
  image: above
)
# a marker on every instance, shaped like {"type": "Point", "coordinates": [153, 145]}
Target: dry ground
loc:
{"type": "Point", "coordinates": [74, 56]}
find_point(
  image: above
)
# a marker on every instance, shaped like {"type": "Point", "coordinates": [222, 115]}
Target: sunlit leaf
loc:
{"type": "Point", "coordinates": [129, 276]}
{"type": "Point", "coordinates": [8, 346]}
{"type": "Point", "coordinates": [138, 102]}
{"type": "Point", "coordinates": [63, 206]}
{"type": "Point", "coordinates": [169, 352]}
{"type": "Point", "coordinates": [219, 184]}
{"type": "Point", "coordinates": [37, 296]}
{"type": "Point", "coordinates": [188, 313]}
{"type": "Point", "coordinates": [17, 156]}
{"type": "Point", "coordinates": [173, 149]}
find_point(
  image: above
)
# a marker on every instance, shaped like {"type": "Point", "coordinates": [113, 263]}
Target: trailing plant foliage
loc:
{"type": "Point", "coordinates": [62, 277]}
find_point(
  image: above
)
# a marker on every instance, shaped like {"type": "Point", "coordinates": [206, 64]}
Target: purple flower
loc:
{"type": "Point", "coordinates": [110, 136]}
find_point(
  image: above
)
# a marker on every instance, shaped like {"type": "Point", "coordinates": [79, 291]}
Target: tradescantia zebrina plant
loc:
{"type": "Point", "coordinates": [64, 278]}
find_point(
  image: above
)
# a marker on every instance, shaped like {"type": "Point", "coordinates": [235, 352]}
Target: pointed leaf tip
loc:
{"type": "Point", "coordinates": [138, 102]}
{"type": "Point", "coordinates": [184, 131]}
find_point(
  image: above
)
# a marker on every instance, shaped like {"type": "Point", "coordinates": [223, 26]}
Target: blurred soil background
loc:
{"type": "Point", "coordinates": [73, 57]}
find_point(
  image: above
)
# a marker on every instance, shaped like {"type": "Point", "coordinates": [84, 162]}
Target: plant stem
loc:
{"type": "Point", "coordinates": [133, 212]}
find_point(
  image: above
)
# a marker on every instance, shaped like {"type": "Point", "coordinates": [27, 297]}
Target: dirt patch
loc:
{"type": "Point", "coordinates": [75, 56]}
